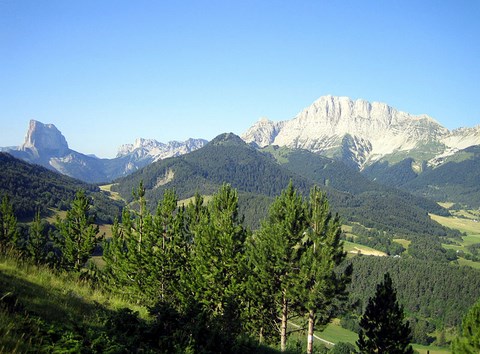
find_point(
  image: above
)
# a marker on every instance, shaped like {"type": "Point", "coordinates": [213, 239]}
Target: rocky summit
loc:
{"type": "Point", "coordinates": [359, 132]}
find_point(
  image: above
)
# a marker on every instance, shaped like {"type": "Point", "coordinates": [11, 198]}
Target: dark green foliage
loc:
{"type": "Point", "coordinates": [8, 226]}
{"type": "Point", "coordinates": [292, 259]}
{"type": "Point", "coordinates": [343, 348]}
{"type": "Point", "coordinates": [37, 245]}
{"type": "Point", "coordinates": [78, 235]}
{"type": "Point", "coordinates": [469, 341]}
{"type": "Point", "coordinates": [383, 329]}
{"type": "Point", "coordinates": [216, 261]}
{"type": "Point", "coordinates": [129, 253]}
{"type": "Point", "coordinates": [423, 287]}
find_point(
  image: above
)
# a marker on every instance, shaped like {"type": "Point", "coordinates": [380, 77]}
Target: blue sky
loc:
{"type": "Point", "coordinates": [107, 72]}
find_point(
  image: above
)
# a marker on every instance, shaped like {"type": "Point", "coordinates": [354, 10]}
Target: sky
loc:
{"type": "Point", "coordinates": [107, 72]}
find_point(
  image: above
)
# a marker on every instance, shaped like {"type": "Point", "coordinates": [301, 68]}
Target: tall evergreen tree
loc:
{"type": "Point", "coordinates": [274, 256]}
{"type": "Point", "coordinates": [169, 248]}
{"type": "Point", "coordinates": [321, 290]}
{"type": "Point", "coordinates": [469, 341]}
{"type": "Point", "coordinates": [383, 328]}
{"type": "Point", "coordinates": [37, 240]}
{"type": "Point", "coordinates": [78, 233]}
{"type": "Point", "coordinates": [129, 254]}
{"type": "Point", "coordinates": [8, 226]}
{"type": "Point", "coordinates": [215, 275]}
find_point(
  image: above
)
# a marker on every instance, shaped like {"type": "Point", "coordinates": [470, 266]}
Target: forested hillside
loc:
{"type": "Point", "coordinates": [455, 180]}
{"type": "Point", "coordinates": [33, 188]}
{"type": "Point", "coordinates": [264, 174]}
{"type": "Point", "coordinates": [435, 295]}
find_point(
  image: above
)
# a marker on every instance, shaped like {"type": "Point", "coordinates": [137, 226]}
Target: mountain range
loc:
{"type": "Point", "coordinates": [361, 133]}
{"type": "Point", "coordinates": [46, 146]}
{"type": "Point", "coordinates": [411, 152]}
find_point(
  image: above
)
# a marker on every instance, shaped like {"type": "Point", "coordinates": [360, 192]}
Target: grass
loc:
{"type": "Point", "coordinates": [355, 248]}
{"type": "Point", "coordinates": [467, 222]}
{"type": "Point", "coordinates": [403, 242]}
{"type": "Point", "coordinates": [463, 224]}
{"type": "Point", "coordinates": [107, 188]}
{"type": "Point", "coordinates": [36, 303]}
{"type": "Point", "coordinates": [335, 333]}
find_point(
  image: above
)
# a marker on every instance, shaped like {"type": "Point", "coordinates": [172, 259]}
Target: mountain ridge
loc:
{"type": "Point", "coordinates": [373, 130]}
{"type": "Point", "coordinates": [45, 145]}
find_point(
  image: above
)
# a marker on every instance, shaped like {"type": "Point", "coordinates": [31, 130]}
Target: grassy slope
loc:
{"type": "Point", "coordinates": [467, 222]}
{"type": "Point", "coordinates": [44, 298]}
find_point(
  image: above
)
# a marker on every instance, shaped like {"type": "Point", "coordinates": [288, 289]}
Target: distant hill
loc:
{"type": "Point", "coordinates": [260, 176]}
{"type": "Point", "coordinates": [32, 187]}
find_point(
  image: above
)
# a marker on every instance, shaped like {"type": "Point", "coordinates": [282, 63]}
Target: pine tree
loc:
{"type": "Point", "coordinates": [469, 341]}
{"type": "Point", "coordinates": [274, 257]}
{"type": "Point", "coordinates": [129, 254]}
{"type": "Point", "coordinates": [37, 240]}
{"type": "Point", "coordinates": [8, 226]}
{"type": "Point", "coordinates": [383, 329]}
{"type": "Point", "coordinates": [169, 246]}
{"type": "Point", "coordinates": [78, 233]}
{"type": "Point", "coordinates": [321, 290]}
{"type": "Point", "coordinates": [216, 261]}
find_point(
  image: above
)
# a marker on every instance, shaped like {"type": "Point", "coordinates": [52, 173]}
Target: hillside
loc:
{"type": "Point", "coordinates": [32, 187]}
{"type": "Point", "coordinates": [453, 179]}
{"type": "Point", "coordinates": [260, 176]}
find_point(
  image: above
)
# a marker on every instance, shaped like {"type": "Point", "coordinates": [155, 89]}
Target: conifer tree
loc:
{"type": "Point", "coordinates": [215, 274]}
{"type": "Point", "coordinates": [383, 328]}
{"type": "Point", "coordinates": [37, 240]}
{"type": "Point", "coordinates": [469, 341]}
{"type": "Point", "coordinates": [129, 253]}
{"type": "Point", "coordinates": [321, 290]}
{"type": "Point", "coordinates": [79, 234]}
{"type": "Point", "coordinates": [274, 256]}
{"type": "Point", "coordinates": [8, 226]}
{"type": "Point", "coordinates": [169, 248]}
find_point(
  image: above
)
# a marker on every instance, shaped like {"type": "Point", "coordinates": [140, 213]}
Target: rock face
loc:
{"type": "Point", "coordinates": [359, 132]}
{"type": "Point", "coordinates": [154, 150]}
{"type": "Point", "coordinates": [44, 139]}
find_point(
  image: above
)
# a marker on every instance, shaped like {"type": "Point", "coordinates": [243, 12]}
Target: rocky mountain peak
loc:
{"type": "Point", "coordinates": [376, 128]}
{"type": "Point", "coordinates": [44, 138]}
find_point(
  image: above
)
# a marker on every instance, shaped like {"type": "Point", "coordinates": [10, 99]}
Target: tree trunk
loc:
{"type": "Point", "coordinates": [311, 322]}
{"type": "Point", "coordinates": [283, 333]}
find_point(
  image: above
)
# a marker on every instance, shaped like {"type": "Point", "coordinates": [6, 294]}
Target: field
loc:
{"type": "Point", "coordinates": [357, 249]}
{"type": "Point", "coordinates": [467, 222]}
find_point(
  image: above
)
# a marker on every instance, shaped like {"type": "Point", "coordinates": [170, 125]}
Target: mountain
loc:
{"type": "Point", "coordinates": [259, 176]}
{"type": "Point", "coordinates": [150, 150]}
{"type": "Point", "coordinates": [45, 145]}
{"type": "Point", "coordinates": [360, 133]}
{"type": "Point", "coordinates": [32, 187]}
